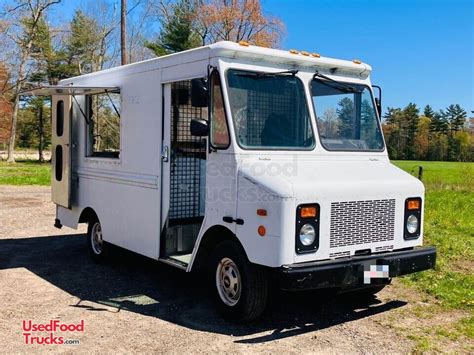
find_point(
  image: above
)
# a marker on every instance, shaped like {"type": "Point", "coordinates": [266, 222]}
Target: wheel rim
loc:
{"type": "Point", "coordinates": [228, 282]}
{"type": "Point", "coordinates": [96, 238]}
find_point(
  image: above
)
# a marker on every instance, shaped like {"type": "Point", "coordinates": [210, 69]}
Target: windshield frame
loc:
{"type": "Point", "coordinates": [277, 72]}
{"type": "Point", "coordinates": [377, 117]}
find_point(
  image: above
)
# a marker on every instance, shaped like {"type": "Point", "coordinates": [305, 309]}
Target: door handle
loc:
{"type": "Point", "coordinates": [165, 153]}
{"type": "Point", "coordinates": [229, 219]}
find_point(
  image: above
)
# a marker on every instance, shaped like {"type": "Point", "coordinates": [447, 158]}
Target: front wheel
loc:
{"type": "Point", "coordinates": [95, 241]}
{"type": "Point", "coordinates": [240, 288]}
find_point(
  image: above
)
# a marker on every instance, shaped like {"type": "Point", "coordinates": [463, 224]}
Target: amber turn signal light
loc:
{"type": "Point", "coordinates": [308, 212]}
{"type": "Point", "coordinates": [414, 204]}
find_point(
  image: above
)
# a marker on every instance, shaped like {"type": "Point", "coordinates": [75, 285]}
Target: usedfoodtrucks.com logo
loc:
{"type": "Point", "coordinates": [33, 333]}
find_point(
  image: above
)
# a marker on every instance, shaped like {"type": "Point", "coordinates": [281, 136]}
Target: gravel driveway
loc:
{"type": "Point", "coordinates": [134, 304]}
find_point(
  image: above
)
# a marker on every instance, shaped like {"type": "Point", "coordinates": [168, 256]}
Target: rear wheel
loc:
{"type": "Point", "coordinates": [95, 241]}
{"type": "Point", "coordinates": [240, 288]}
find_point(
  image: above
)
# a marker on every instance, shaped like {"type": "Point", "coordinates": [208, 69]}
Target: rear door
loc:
{"type": "Point", "coordinates": [61, 106]}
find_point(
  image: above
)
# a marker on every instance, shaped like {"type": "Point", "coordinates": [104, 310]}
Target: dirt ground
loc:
{"type": "Point", "coordinates": [133, 304]}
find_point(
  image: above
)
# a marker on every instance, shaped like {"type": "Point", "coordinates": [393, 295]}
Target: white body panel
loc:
{"type": "Point", "coordinates": [126, 193]}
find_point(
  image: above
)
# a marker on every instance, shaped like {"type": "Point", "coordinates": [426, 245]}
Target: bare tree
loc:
{"type": "Point", "coordinates": [237, 20]}
{"type": "Point", "coordinates": [139, 29]}
{"type": "Point", "coordinates": [123, 31]}
{"type": "Point", "coordinates": [20, 28]}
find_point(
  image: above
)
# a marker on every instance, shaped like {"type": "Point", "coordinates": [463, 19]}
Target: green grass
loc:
{"type": "Point", "coordinates": [25, 172]}
{"type": "Point", "coordinates": [448, 225]}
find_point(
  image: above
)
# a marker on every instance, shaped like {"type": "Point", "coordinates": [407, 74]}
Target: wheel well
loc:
{"type": "Point", "coordinates": [211, 238]}
{"type": "Point", "coordinates": [87, 215]}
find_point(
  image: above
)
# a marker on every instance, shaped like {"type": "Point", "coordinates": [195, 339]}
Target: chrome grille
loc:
{"type": "Point", "coordinates": [362, 222]}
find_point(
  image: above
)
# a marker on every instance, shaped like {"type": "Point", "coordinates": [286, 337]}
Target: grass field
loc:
{"type": "Point", "coordinates": [25, 172]}
{"type": "Point", "coordinates": [448, 225]}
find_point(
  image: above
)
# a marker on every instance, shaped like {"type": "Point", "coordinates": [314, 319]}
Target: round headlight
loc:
{"type": "Point", "coordinates": [307, 234]}
{"type": "Point", "coordinates": [412, 224]}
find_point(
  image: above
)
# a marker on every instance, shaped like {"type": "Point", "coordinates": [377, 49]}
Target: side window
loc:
{"type": "Point", "coordinates": [59, 118]}
{"type": "Point", "coordinates": [103, 138]}
{"type": "Point", "coordinates": [219, 130]}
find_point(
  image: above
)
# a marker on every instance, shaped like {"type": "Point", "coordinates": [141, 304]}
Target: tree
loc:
{"type": "Point", "coordinates": [455, 117]}
{"type": "Point", "coordinates": [422, 138]}
{"type": "Point", "coordinates": [123, 31]}
{"type": "Point", "coordinates": [438, 147]}
{"type": "Point", "coordinates": [411, 116]}
{"type": "Point", "coordinates": [428, 111]}
{"type": "Point", "coordinates": [28, 14]}
{"type": "Point", "coordinates": [89, 41]}
{"type": "Point", "coordinates": [329, 123]}
{"type": "Point", "coordinates": [236, 20]}
{"type": "Point", "coordinates": [177, 32]}
{"type": "Point", "coordinates": [345, 113]}
{"type": "Point", "coordinates": [5, 107]}
{"type": "Point", "coordinates": [438, 122]}
{"type": "Point", "coordinates": [394, 129]}
{"type": "Point", "coordinates": [368, 123]}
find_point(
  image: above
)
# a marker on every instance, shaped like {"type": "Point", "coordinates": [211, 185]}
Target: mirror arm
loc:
{"type": "Point", "coordinates": [379, 105]}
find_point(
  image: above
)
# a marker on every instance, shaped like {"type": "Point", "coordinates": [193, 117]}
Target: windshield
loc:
{"type": "Point", "coordinates": [269, 110]}
{"type": "Point", "coordinates": [346, 117]}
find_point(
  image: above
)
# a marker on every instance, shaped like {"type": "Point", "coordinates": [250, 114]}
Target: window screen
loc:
{"type": "Point", "coordinates": [269, 111]}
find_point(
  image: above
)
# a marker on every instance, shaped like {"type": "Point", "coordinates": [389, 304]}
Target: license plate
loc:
{"type": "Point", "coordinates": [375, 272]}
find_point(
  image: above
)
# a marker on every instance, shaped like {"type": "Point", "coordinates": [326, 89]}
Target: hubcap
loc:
{"type": "Point", "coordinates": [96, 238]}
{"type": "Point", "coordinates": [228, 282]}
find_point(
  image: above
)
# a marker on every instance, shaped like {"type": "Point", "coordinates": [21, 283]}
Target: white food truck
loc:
{"type": "Point", "coordinates": [263, 166]}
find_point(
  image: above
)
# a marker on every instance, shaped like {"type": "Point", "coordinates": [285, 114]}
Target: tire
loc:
{"type": "Point", "coordinates": [240, 289]}
{"type": "Point", "coordinates": [96, 245]}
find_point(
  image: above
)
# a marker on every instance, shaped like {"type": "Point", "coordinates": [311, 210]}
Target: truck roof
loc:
{"type": "Point", "coordinates": [246, 53]}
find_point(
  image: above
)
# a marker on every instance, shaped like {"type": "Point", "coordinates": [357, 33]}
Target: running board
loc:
{"type": "Point", "coordinates": [173, 262]}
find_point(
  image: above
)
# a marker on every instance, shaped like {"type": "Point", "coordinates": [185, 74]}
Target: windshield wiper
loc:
{"type": "Point", "coordinates": [261, 74]}
{"type": "Point", "coordinates": [340, 86]}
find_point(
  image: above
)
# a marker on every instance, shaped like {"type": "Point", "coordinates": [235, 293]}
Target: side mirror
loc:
{"type": "Point", "coordinates": [378, 100]}
{"type": "Point", "coordinates": [199, 94]}
{"type": "Point", "coordinates": [199, 127]}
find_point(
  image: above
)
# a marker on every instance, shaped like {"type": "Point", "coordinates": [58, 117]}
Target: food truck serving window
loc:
{"type": "Point", "coordinates": [103, 111]}
{"type": "Point", "coordinates": [346, 117]}
{"type": "Point", "coordinates": [269, 111]}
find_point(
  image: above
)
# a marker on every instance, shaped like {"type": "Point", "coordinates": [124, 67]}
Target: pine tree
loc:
{"type": "Point", "coordinates": [345, 113]}
{"type": "Point", "coordinates": [455, 117]}
{"type": "Point", "coordinates": [438, 123]}
{"type": "Point", "coordinates": [411, 113]}
{"type": "Point", "coordinates": [177, 33]}
{"type": "Point", "coordinates": [428, 111]}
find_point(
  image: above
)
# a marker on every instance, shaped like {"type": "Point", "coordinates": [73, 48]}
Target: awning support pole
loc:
{"type": "Point", "coordinates": [80, 109]}
{"type": "Point", "coordinates": [115, 108]}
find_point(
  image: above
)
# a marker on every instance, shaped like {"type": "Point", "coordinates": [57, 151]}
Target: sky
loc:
{"type": "Point", "coordinates": [421, 51]}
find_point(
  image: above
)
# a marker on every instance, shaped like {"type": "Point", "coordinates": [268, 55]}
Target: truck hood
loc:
{"type": "Point", "coordinates": [313, 180]}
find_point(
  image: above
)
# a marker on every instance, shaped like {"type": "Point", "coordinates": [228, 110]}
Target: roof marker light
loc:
{"type": "Point", "coordinates": [357, 61]}
{"type": "Point", "coordinates": [244, 43]}
{"type": "Point", "coordinates": [306, 54]}
{"type": "Point", "coordinates": [316, 55]}
{"type": "Point", "coordinates": [294, 51]}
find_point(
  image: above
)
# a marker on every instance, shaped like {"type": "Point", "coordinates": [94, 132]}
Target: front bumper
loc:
{"type": "Point", "coordinates": [349, 273]}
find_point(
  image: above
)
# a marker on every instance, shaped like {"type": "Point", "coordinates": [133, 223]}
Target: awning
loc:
{"type": "Point", "coordinates": [49, 90]}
